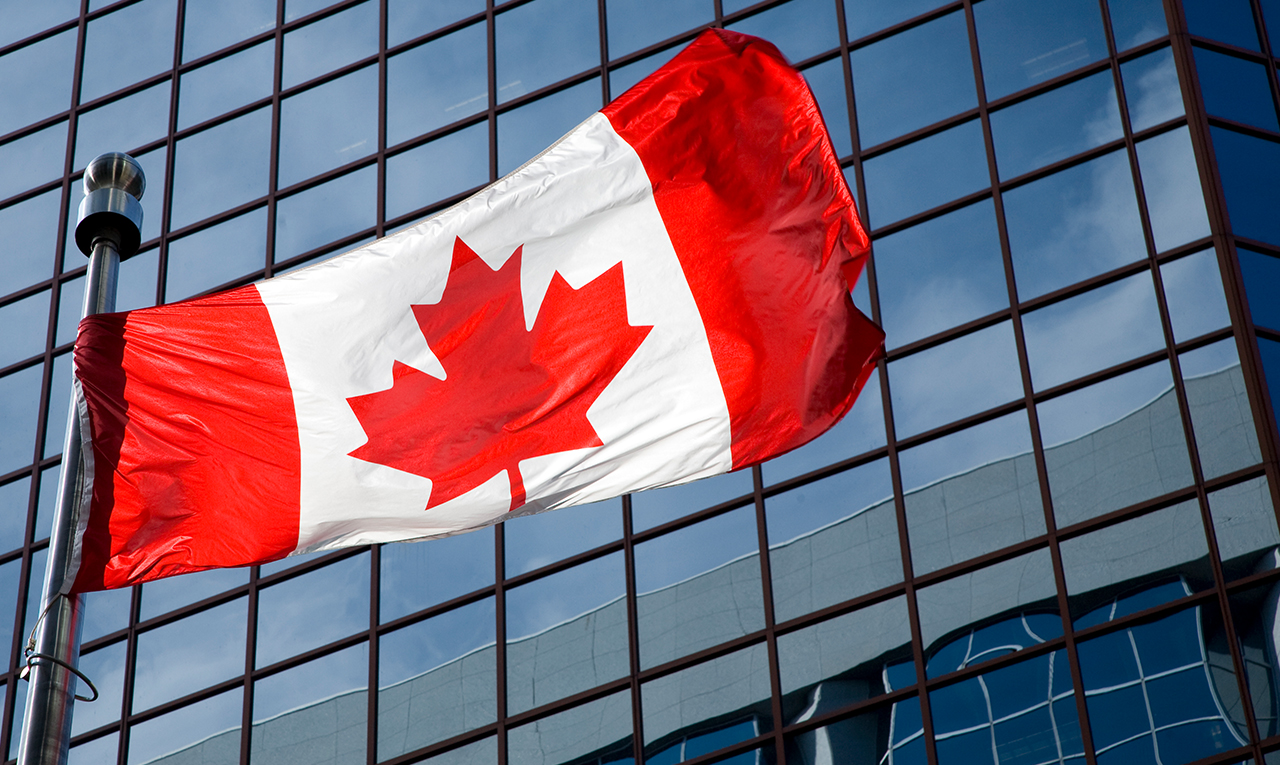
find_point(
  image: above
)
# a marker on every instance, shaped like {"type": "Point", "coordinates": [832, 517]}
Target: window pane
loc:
{"type": "Point", "coordinates": [1244, 523]}
{"type": "Point", "coordinates": [217, 255]}
{"type": "Point", "coordinates": [110, 66]}
{"type": "Point", "coordinates": [319, 707]}
{"type": "Point", "coordinates": [407, 19]}
{"type": "Point", "coordinates": [1114, 444]}
{"type": "Point", "coordinates": [106, 667]}
{"type": "Point", "coordinates": [926, 173]}
{"type": "Point", "coordinates": [958, 378]}
{"type": "Point", "coordinates": [624, 77]}
{"type": "Point", "coordinates": [226, 84]}
{"type": "Point", "coordinates": [123, 125]}
{"type": "Point", "coordinates": [864, 17]}
{"type": "Point", "coordinates": [861, 430]}
{"type": "Point", "coordinates": [657, 506]}
{"type": "Point", "coordinates": [1236, 89]}
{"type": "Point", "coordinates": [436, 679]}
{"type": "Point", "coordinates": [1172, 185]}
{"type": "Point", "coordinates": [636, 24]}
{"type": "Point", "coordinates": [207, 732]}
{"type": "Point", "coordinates": [28, 230]}
{"type": "Point", "coordinates": [826, 80]}
{"type": "Point", "coordinates": [313, 609]}
{"type": "Point", "coordinates": [1220, 415]}
{"type": "Point", "coordinates": [1193, 290]}
{"type": "Point", "coordinates": [566, 632]}
{"type": "Point", "coordinates": [1261, 274]}
{"type": "Point", "coordinates": [25, 19]}
{"type": "Point", "coordinates": [1056, 125]}
{"type": "Point", "coordinates": [601, 729]}
{"type": "Point", "coordinates": [417, 575]}
{"type": "Point", "coordinates": [24, 321]}
{"type": "Point", "coordinates": [866, 736]}
{"type": "Point", "coordinates": [448, 165]}
{"type": "Point", "coordinates": [1248, 167]}
{"type": "Point", "coordinates": [165, 595]}
{"type": "Point", "coordinates": [1151, 89]}
{"type": "Point", "coordinates": [534, 541]}
{"type": "Point", "coordinates": [107, 612]}
{"type": "Point", "coordinates": [1074, 224]}
{"type": "Point", "coordinates": [32, 160]}
{"type": "Point", "coordinates": [190, 654]}
{"type": "Point", "coordinates": [332, 42]}
{"type": "Point", "coordinates": [35, 81]}
{"type": "Point", "coordinates": [971, 492]}
{"type": "Point", "coordinates": [526, 131]}
{"type": "Point", "coordinates": [222, 167]}
{"type": "Point", "coordinates": [14, 498]}
{"type": "Point", "coordinates": [46, 505]}
{"type": "Point", "coordinates": [1229, 21]}
{"type": "Point", "coordinates": [212, 25]}
{"type": "Point", "coordinates": [327, 212]}
{"type": "Point", "coordinates": [94, 752]}
{"type": "Point", "coordinates": [1093, 331]}
{"type": "Point", "coordinates": [438, 83]}
{"type": "Point", "coordinates": [19, 416]}
{"type": "Point", "coordinates": [841, 661]}
{"type": "Point", "coordinates": [913, 79]}
{"type": "Point", "coordinates": [1136, 21]}
{"type": "Point", "coordinates": [543, 42]}
{"type": "Point", "coordinates": [1026, 43]}
{"type": "Point", "coordinates": [801, 28]}
{"type": "Point", "coordinates": [55, 432]}
{"type": "Point", "coordinates": [137, 281]}
{"type": "Point", "coordinates": [311, 142]}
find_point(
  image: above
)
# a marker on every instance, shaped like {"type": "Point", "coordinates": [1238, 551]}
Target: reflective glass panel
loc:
{"type": "Point", "coordinates": [318, 709]}
{"type": "Point", "coordinates": [1270, 351]}
{"type": "Point", "coordinates": [10, 590]}
{"type": "Point", "coordinates": [534, 541]}
{"type": "Point", "coordinates": [566, 632]}
{"type": "Point", "coordinates": [296, 9]}
{"type": "Point", "coordinates": [636, 24]}
{"type": "Point", "coordinates": [958, 378]}
{"type": "Point", "coordinates": [926, 173]}
{"type": "Point", "coordinates": [1056, 125]}
{"type": "Point", "coordinates": [601, 729]}
{"type": "Point", "coordinates": [59, 395]}
{"type": "Point", "coordinates": [1220, 415]}
{"type": "Point", "coordinates": [543, 42]}
{"type": "Point", "coordinates": [436, 679]}
{"type": "Point", "coordinates": [1271, 15]}
{"type": "Point", "coordinates": [137, 285]}
{"type": "Point", "coordinates": [35, 81]}
{"type": "Point", "coordinates": [123, 125]}
{"type": "Point", "coordinates": [1093, 331]}
{"type": "Point", "coordinates": [1151, 89]}
{"type": "Point", "coordinates": [210, 25]}
{"type": "Point", "coordinates": [46, 502]}
{"type": "Point", "coordinates": [437, 83]}
{"type": "Point", "coordinates": [698, 586]}
{"type": "Point", "coordinates": [207, 732]}
{"type": "Point", "coordinates": [1135, 554]}
{"type": "Point", "coordinates": [110, 66]}
{"type": "Point", "coordinates": [24, 322]}
{"type": "Point", "coordinates": [971, 492]}
{"type": "Point", "coordinates": [105, 612]}
{"type": "Point", "coordinates": [1074, 224]}
{"type": "Point", "coordinates": [28, 229]}
{"type": "Point", "coordinates": [222, 167]}
{"type": "Point", "coordinates": [863, 17]}
{"type": "Point", "coordinates": [70, 306]}
{"type": "Point", "coordinates": [313, 609]}
{"type": "Point", "coordinates": [226, 84]}
{"type": "Point", "coordinates": [832, 540]}
{"type": "Point", "coordinates": [1026, 43]}
{"type": "Point", "coordinates": [187, 655]}
{"type": "Point", "coordinates": [861, 430]}
{"type": "Point", "coordinates": [1228, 21]}
{"type": "Point", "coordinates": [841, 661]}
{"type": "Point", "coordinates": [447, 166]}
{"type": "Point", "coordinates": [913, 79]}
{"type": "Point", "coordinates": [217, 255]}
{"type": "Point", "coordinates": [407, 19]}
{"type": "Point", "coordinates": [19, 416]}
{"type": "Point", "coordinates": [527, 130]}
{"type": "Point", "coordinates": [826, 80]}
{"type": "Point", "coordinates": [1235, 88]}
{"type": "Point", "coordinates": [333, 42]}
{"type": "Point", "coordinates": [1261, 280]}
{"type": "Point", "coordinates": [106, 666]}
{"type": "Point", "coordinates": [1113, 444]}
{"type": "Point", "coordinates": [728, 696]}
{"type": "Point", "coordinates": [801, 28]}
{"type": "Point", "coordinates": [94, 752]}
{"type": "Point", "coordinates": [866, 736]}
{"type": "Point", "coordinates": [1172, 184]}
{"type": "Point", "coordinates": [657, 506]}
{"type": "Point", "coordinates": [624, 77]}
{"type": "Point", "coordinates": [323, 213]}
{"type": "Point", "coordinates": [1244, 523]}
{"type": "Point", "coordinates": [417, 575]}
{"type": "Point", "coordinates": [14, 497]}
{"type": "Point", "coordinates": [311, 142]}
{"type": "Point", "coordinates": [1253, 612]}
{"type": "Point", "coordinates": [940, 274]}
{"type": "Point", "coordinates": [1193, 291]}
{"type": "Point", "coordinates": [483, 752]}
{"type": "Point", "coordinates": [32, 160]}
{"type": "Point", "coordinates": [1248, 167]}
{"type": "Point", "coordinates": [1136, 21]}
{"type": "Point", "coordinates": [165, 595]}
{"type": "Point", "coordinates": [25, 19]}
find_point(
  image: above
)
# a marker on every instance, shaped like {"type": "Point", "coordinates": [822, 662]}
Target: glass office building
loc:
{"type": "Point", "coordinates": [1045, 534]}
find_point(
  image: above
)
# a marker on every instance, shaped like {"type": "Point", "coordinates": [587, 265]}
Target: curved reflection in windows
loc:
{"type": "Point", "coordinates": [1226, 438]}
{"type": "Point", "coordinates": [592, 734]}
{"type": "Point", "coordinates": [1244, 525]}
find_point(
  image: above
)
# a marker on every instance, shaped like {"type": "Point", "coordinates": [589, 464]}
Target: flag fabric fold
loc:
{"type": "Point", "coordinates": [661, 296]}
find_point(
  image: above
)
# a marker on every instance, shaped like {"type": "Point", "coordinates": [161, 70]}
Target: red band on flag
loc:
{"type": "Point", "coordinates": [181, 491]}
{"type": "Point", "coordinates": [762, 220]}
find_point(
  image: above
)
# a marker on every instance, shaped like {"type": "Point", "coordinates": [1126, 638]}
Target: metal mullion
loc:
{"type": "Point", "coordinates": [976, 563]}
{"type": "Point", "coordinates": [214, 220]}
{"type": "Point", "coordinates": [273, 172]}
{"type": "Point", "coordinates": [456, 742]}
{"type": "Point", "coordinates": [770, 621]}
{"type": "Point", "coordinates": [370, 160]}
{"type": "Point", "coordinates": [31, 192]}
{"type": "Point", "coordinates": [195, 697]}
{"type": "Point", "coordinates": [492, 82]}
{"type": "Point", "coordinates": [559, 705]}
{"type": "Point", "coordinates": [40, 36]}
{"type": "Point", "coordinates": [926, 215]}
{"type": "Point", "coordinates": [129, 90]}
{"type": "Point", "coordinates": [842, 608]}
{"type": "Point", "coordinates": [849, 711]}
{"type": "Point", "coordinates": [691, 519]}
{"type": "Point", "coordinates": [680, 39]}
{"type": "Point", "coordinates": [1101, 375]}
{"type": "Point", "coordinates": [34, 127]}
{"type": "Point", "coordinates": [1222, 46]}
{"type": "Point", "coordinates": [1147, 615]}
{"type": "Point", "coordinates": [826, 471]}
{"type": "Point", "coordinates": [1259, 579]}
{"type": "Point", "coordinates": [500, 636]}
{"type": "Point", "coordinates": [1116, 517]}
{"type": "Point", "coordinates": [995, 412]}
{"type": "Point", "coordinates": [566, 563]}
{"type": "Point", "coordinates": [1180, 392]}
{"type": "Point", "coordinates": [717, 651]}
{"type": "Point", "coordinates": [375, 606]}
{"type": "Point", "coordinates": [380, 189]}
{"type": "Point", "coordinates": [1029, 401]}
{"type": "Point", "coordinates": [928, 131]}
{"type": "Point", "coordinates": [603, 19]}
{"type": "Point", "coordinates": [130, 663]}
{"type": "Point", "coordinates": [568, 82]}
{"type": "Point", "coordinates": [1252, 131]}
{"type": "Point", "coordinates": [947, 335]}
{"type": "Point", "coordinates": [436, 34]}
{"type": "Point", "coordinates": [251, 645]}
{"type": "Point", "coordinates": [633, 633]}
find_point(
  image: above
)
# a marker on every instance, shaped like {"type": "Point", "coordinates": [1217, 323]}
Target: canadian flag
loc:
{"type": "Point", "coordinates": [660, 296]}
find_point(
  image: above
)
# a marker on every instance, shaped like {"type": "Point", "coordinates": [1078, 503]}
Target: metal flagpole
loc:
{"type": "Point", "coordinates": [109, 229]}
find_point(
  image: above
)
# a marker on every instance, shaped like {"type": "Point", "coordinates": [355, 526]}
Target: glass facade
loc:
{"type": "Point", "coordinates": [1046, 533]}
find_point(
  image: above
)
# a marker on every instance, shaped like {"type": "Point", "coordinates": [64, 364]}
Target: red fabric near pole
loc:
{"type": "Point", "coordinates": [765, 228]}
{"type": "Point", "coordinates": [215, 485]}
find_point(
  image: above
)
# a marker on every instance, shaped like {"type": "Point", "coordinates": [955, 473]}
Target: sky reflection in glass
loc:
{"type": "Point", "coordinates": [1056, 125]}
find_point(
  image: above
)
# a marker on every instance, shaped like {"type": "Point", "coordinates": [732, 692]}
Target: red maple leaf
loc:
{"type": "Point", "coordinates": [509, 394]}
